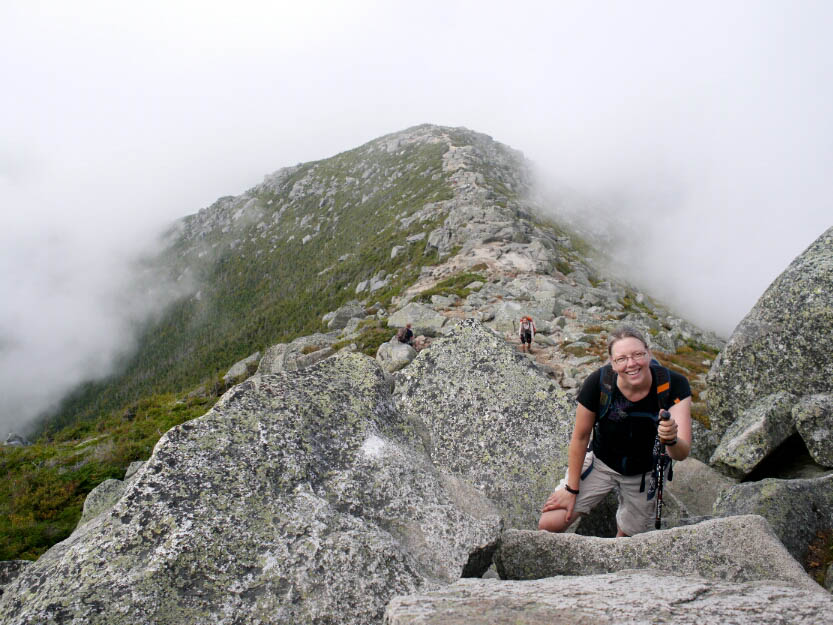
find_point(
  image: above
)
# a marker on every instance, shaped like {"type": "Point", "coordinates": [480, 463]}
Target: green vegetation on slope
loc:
{"type": "Point", "coordinates": [43, 486]}
{"type": "Point", "coordinates": [271, 279]}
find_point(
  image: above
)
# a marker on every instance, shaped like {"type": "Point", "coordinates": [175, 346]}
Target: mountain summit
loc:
{"type": "Point", "coordinates": [380, 222]}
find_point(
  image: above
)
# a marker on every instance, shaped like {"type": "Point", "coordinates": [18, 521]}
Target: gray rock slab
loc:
{"type": "Point", "coordinates": [423, 319]}
{"type": "Point", "coordinates": [443, 301]}
{"type": "Point", "coordinates": [296, 355]}
{"type": "Point", "coordinates": [344, 314]}
{"type": "Point", "coordinates": [795, 509]}
{"type": "Point", "coordinates": [705, 441]}
{"type": "Point", "coordinates": [101, 498]}
{"type": "Point", "coordinates": [784, 343]}
{"type": "Point", "coordinates": [635, 597]}
{"type": "Point", "coordinates": [697, 485]}
{"type": "Point", "coordinates": [298, 497]}
{"type": "Point", "coordinates": [490, 416]}
{"type": "Point", "coordinates": [273, 359]}
{"type": "Point", "coordinates": [241, 367]}
{"type": "Point", "coordinates": [543, 339]}
{"type": "Point", "coordinates": [104, 496]}
{"type": "Point", "coordinates": [10, 569]}
{"type": "Point", "coordinates": [394, 355]}
{"type": "Point", "coordinates": [813, 417]}
{"type": "Point", "coordinates": [738, 549]}
{"type": "Point", "coordinates": [132, 468]}
{"type": "Point", "coordinates": [755, 434]}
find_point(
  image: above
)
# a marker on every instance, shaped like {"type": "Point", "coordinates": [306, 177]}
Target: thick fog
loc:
{"type": "Point", "coordinates": [700, 138]}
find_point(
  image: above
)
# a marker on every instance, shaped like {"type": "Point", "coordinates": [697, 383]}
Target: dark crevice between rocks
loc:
{"type": "Point", "coordinates": [790, 461]}
{"type": "Point", "coordinates": [479, 561]}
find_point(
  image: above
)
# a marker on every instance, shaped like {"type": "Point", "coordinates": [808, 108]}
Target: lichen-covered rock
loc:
{"type": "Point", "coordinates": [697, 486]}
{"type": "Point", "coordinates": [738, 549]}
{"type": "Point", "coordinates": [795, 509]}
{"type": "Point", "coordinates": [423, 319]}
{"type": "Point", "coordinates": [755, 434]}
{"type": "Point", "coordinates": [301, 497]}
{"type": "Point", "coordinates": [242, 367]}
{"type": "Point", "coordinates": [624, 597]}
{"type": "Point", "coordinates": [783, 344]}
{"type": "Point", "coordinates": [300, 353]}
{"type": "Point", "coordinates": [101, 498]}
{"type": "Point", "coordinates": [813, 417]}
{"type": "Point", "coordinates": [340, 317]}
{"type": "Point", "coordinates": [9, 569]}
{"type": "Point", "coordinates": [105, 495]}
{"type": "Point", "coordinates": [394, 355]}
{"type": "Point", "coordinates": [704, 441]}
{"type": "Point", "coordinates": [133, 468]}
{"type": "Point", "coordinates": [490, 416]}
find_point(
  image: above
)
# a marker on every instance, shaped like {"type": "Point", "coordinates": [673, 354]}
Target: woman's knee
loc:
{"type": "Point", "coordinates": [553, 521]}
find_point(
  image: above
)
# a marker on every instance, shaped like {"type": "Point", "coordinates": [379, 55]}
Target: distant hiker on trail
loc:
{"type": "Point", "coordinates": [406, 335]}
{"type": "Point", "coordinates": [620, 405]}
{"type": "Point", "coordinates": [526, 332]}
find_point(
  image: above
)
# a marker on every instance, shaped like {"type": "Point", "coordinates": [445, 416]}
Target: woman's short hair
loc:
{"type": "Point", "coordinates": [624, 332]}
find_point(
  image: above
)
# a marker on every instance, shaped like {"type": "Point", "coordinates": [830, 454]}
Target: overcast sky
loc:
{"type": "Point", "coordinates": [707, 129]}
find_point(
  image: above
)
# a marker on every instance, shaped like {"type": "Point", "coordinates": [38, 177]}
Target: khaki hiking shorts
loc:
{"type": "Point", "coordinates": [636, 513]}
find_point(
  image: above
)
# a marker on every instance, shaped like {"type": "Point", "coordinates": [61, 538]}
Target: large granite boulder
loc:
{"type": "Point", "coordinates": [302, 497]}
{"type": "Point", "coordinates": [491, 417]}
{"type": "Point", "coordinates": [298, 354]}
{"type": "Point", "coordinates": [394, 355]}
{"type": "Point", "coordinates": [697, 486]}
{"type": "Point", "coordinates": [756, 433]}
{"type": "Point", "coordinates": [106, 495]}
{"type": "Point", "coordinates": [423, 319]}
{"type": "Point", "coordinates": [784, 343]}
{"type": "Point", "coordinates": [621, 598]}
{"type": "Point", "coordinates": [813, 417]}
{"type": "Point", "coordinates": [738, 549]}
{"type": "Point", "coordinates": [242, 367]}
{"type": "Point", "coordinates": [338, 319]}
{"type": "Point", "coordinates": [795, 509]}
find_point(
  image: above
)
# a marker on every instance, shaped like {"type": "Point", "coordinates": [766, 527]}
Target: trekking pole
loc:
{"type": "Point", "coordinates": [664, 415]}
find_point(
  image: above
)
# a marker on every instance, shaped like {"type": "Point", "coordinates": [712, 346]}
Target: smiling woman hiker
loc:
{"type": "Point", "coordinates": [620, 404]}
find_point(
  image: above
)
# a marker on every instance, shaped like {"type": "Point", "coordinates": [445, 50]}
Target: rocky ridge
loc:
{"type": "Point", "coordinates": [325, 463]}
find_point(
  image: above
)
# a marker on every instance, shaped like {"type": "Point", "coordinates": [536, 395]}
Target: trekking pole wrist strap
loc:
{"type": "Point", "coordinates": [573, 491]}
{"type": "Point", "coordinates": [672, 443]}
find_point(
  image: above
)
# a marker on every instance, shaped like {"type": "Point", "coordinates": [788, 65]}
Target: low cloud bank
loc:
{"type": "Point", "coordinates": [76, 285]}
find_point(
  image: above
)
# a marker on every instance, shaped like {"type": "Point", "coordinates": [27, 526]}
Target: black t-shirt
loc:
{"type": "Point", "coordinates": [624, 438]}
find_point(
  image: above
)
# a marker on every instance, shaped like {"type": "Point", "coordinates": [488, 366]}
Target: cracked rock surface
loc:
{"type": "Point", "coordinates": [299, 496]}
{"type": "Point", "coordinates": [633, 597]}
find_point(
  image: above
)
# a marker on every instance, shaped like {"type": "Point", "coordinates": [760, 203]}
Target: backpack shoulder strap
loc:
{"type": "Point", "coordinates": [607, 381]}
{"type": "Point", "coordinates": [663, 378]}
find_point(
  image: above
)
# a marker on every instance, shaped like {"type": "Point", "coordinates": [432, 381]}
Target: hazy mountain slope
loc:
{"type": "Point", "coordinates": [417, 215]}
{"type": "Point", "coordinates": [264, 266]}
